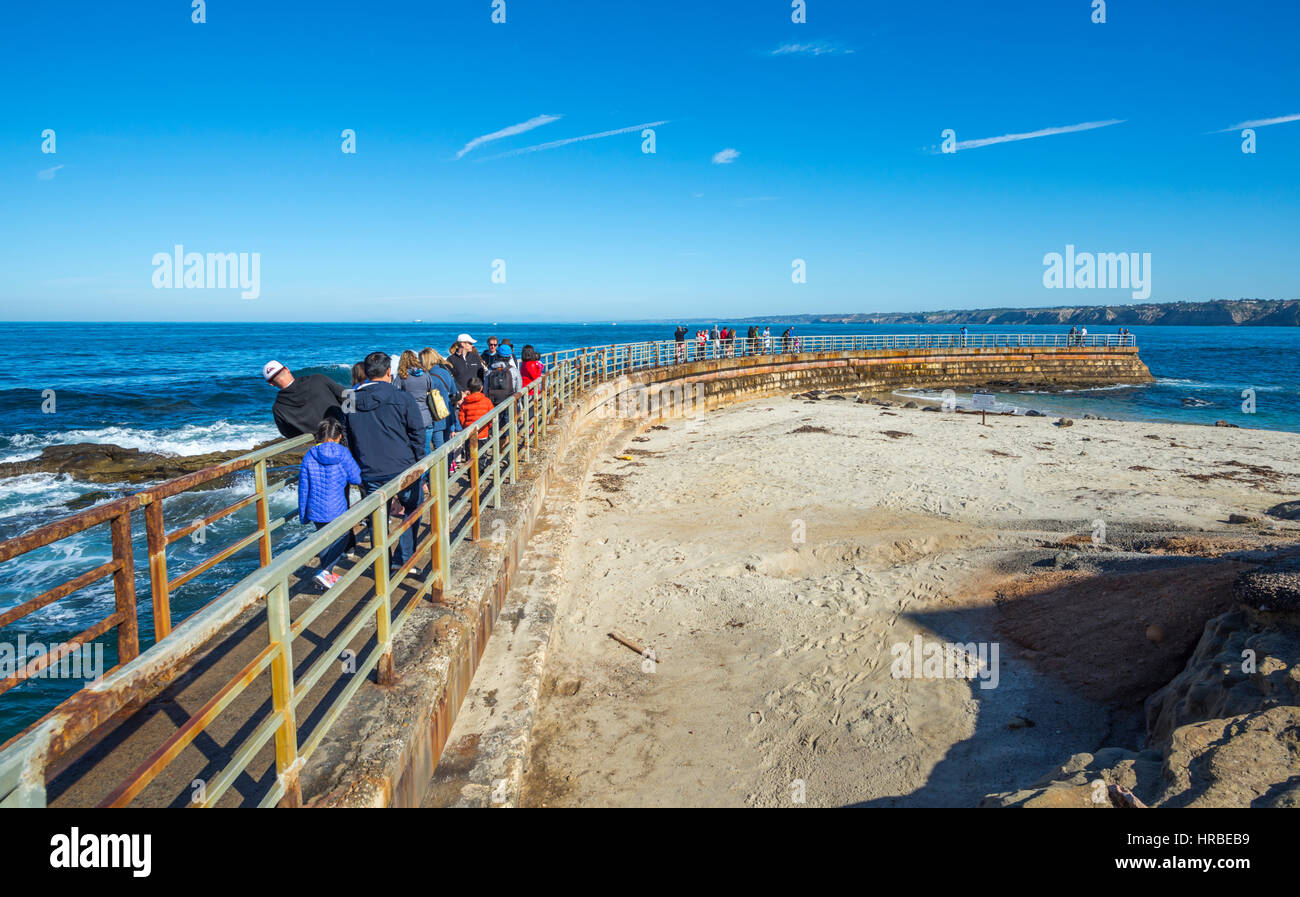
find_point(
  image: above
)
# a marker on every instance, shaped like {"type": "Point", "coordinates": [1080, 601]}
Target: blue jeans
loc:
{"type": "Point", "coordinates": [409, 499]}
{"type": "Point", "coordinates": [330, 556]}
{"type": "Point", "coordinates": [441, 431]}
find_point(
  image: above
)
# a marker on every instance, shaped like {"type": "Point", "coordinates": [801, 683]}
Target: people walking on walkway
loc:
{"type": "Point", "coordinates": [413, 380]}
{"type": "Point", "coordinates": [474, 406]}
{"type": "Point", "coordinates": [445, 422]}
{"type": "Point", "coordinates": [503, 379]}
{"type": "Point", "coordinates": [326, 472]}
{"type": "Point", "coordinates": [385, 433]}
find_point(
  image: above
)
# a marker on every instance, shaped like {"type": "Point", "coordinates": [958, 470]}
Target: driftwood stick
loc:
{"type": "Point", "coordinates": [643, 651]}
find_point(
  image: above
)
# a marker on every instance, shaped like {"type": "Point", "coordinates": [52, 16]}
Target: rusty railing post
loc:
{"type": "Point", "coordinates": [473, 485]}
{"type": "Point", "coordinates": [441, 509]}
{"type": "Point", "coordinates": [263, 511]}
{"type": "Point", "coordinates": [287, 763]}
{"type": "Point", "coordinates": [496, 460]}
{"type": "Point", "coordinates": [514, 439]}
{"type": "Point", "coordinates": [383, 614]}
{"type": "Point", "coordinates": [156, 533]}
{"type": "Point", "coordinates": [128, 626]}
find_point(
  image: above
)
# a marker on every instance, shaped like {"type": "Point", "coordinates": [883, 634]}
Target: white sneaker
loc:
{"type": "Point", "coordinates": [323, 580]}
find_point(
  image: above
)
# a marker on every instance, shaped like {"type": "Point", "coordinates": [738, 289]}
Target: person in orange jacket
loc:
{"type": "Point", "coordinates": [475, 405]}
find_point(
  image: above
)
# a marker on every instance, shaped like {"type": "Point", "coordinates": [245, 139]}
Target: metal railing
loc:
{"type": "Point", "coordinates": [451, 509]}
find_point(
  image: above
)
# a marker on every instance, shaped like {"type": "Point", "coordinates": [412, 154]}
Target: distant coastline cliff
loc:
{"type": "Point", "coordinates": [1217, 312]}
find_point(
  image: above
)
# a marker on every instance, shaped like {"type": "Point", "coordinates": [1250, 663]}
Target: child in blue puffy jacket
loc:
{"type": "Point", "coordinates": [327, 470]}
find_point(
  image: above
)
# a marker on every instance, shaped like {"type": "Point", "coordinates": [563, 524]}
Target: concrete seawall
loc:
{"type": "Point", "coordinates": [391, 741]}
{"type": "Point", "coordinates": [728, 379]}
{"type": "Point", "coordinates": [388, 741]}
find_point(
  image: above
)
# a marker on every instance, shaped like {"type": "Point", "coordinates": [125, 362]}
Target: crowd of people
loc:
{"type": "Point", "coordinates": [398, 410]}
{"type": "Point", "coordinates": [401, 408]}
{"type": "Point", "coordinates": [726, 342]}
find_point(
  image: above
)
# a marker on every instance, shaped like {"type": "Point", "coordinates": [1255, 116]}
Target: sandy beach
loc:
{"type": "Point", "coordinates": [777, 553]}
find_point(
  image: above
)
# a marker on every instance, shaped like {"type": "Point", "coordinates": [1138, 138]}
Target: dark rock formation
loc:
{"type": "Point", "coordinates": [1225, 732]}
{"type": "Point", "coordinates": [96, 463]}
{"type": "Point", "coordinates": [1287, 510]}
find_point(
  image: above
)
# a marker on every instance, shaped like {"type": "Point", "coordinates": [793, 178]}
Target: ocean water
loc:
{"type": "Point", "coordinates": [193, 388]}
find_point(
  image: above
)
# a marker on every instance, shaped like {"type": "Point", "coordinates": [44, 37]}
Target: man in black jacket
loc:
{"type": "Point", "coordinates": [302, 402]}
{"type": "Point", "coordinates": [386, 436]}
{"type": "Point", "coordinates": [465, 363]}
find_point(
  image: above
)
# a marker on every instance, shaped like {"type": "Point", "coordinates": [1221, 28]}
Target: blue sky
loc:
{"type": "Point", "coordinates": [225, 137]}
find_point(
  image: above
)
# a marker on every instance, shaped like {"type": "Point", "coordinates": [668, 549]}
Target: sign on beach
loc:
{"type": "Point", "coordinates": [983, 401]}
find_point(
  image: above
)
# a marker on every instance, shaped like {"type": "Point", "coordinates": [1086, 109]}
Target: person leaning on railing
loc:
{"type": "Point", "coordinates": [302, 402]}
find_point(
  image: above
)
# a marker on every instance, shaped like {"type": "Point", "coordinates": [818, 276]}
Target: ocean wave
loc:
{"type": "Point", "coordinates": [1103, 388]}
{"type": "Point", "coordinates": [223, 436]}
{"type": "Point", "coordinates": [1201, 384]}
{"type": "Point", "coordinates": [34, 492]}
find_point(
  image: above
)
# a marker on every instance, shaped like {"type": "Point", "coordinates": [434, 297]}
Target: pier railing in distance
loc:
{"type": "Point", "coordinates": [452, 510]}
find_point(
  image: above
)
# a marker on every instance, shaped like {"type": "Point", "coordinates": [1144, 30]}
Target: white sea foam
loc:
{"type": "Point", "coordinates": [1199, 384]}
{"type": "Point", "coordinates": [37, 491]}
{"type": "Point", "coordinates": [223, 436]}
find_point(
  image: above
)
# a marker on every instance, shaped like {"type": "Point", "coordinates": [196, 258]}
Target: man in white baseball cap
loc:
{"type": "Point", "coordinates": [302, 402]}
{"type": "Point", "coordinates": [465, 363]}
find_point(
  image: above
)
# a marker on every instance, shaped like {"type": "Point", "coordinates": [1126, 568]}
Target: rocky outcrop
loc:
{"type": "Point", "coordinates": [1225, 732]}
{"type": "Point", "coordinates": [96, 463]}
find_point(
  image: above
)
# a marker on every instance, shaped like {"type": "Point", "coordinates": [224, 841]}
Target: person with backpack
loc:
{"type": "Point", "coordinates": [327, 471]}
{"type": "Point", "coordinates": [503, 380]}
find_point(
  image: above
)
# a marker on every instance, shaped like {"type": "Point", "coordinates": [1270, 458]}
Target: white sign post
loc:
{"type": "Point", "coordinates": [983, 401]}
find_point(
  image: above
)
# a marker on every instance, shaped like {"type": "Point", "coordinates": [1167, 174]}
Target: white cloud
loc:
{"type": "Point", "coordinates": [1259, 123]}
{"type": "Point", "coordinates": [554, 143]}
{"type": "Point", "coordinates": [817, 48]}
{"type": "Point", "coordinates": [47, 174]}
{"type": "Point", "coordinates": [534, 122]}
{"type": "Point", "coordinates": [726, 156]}
{"type": "Point", "coordinates": [1030, 135]}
